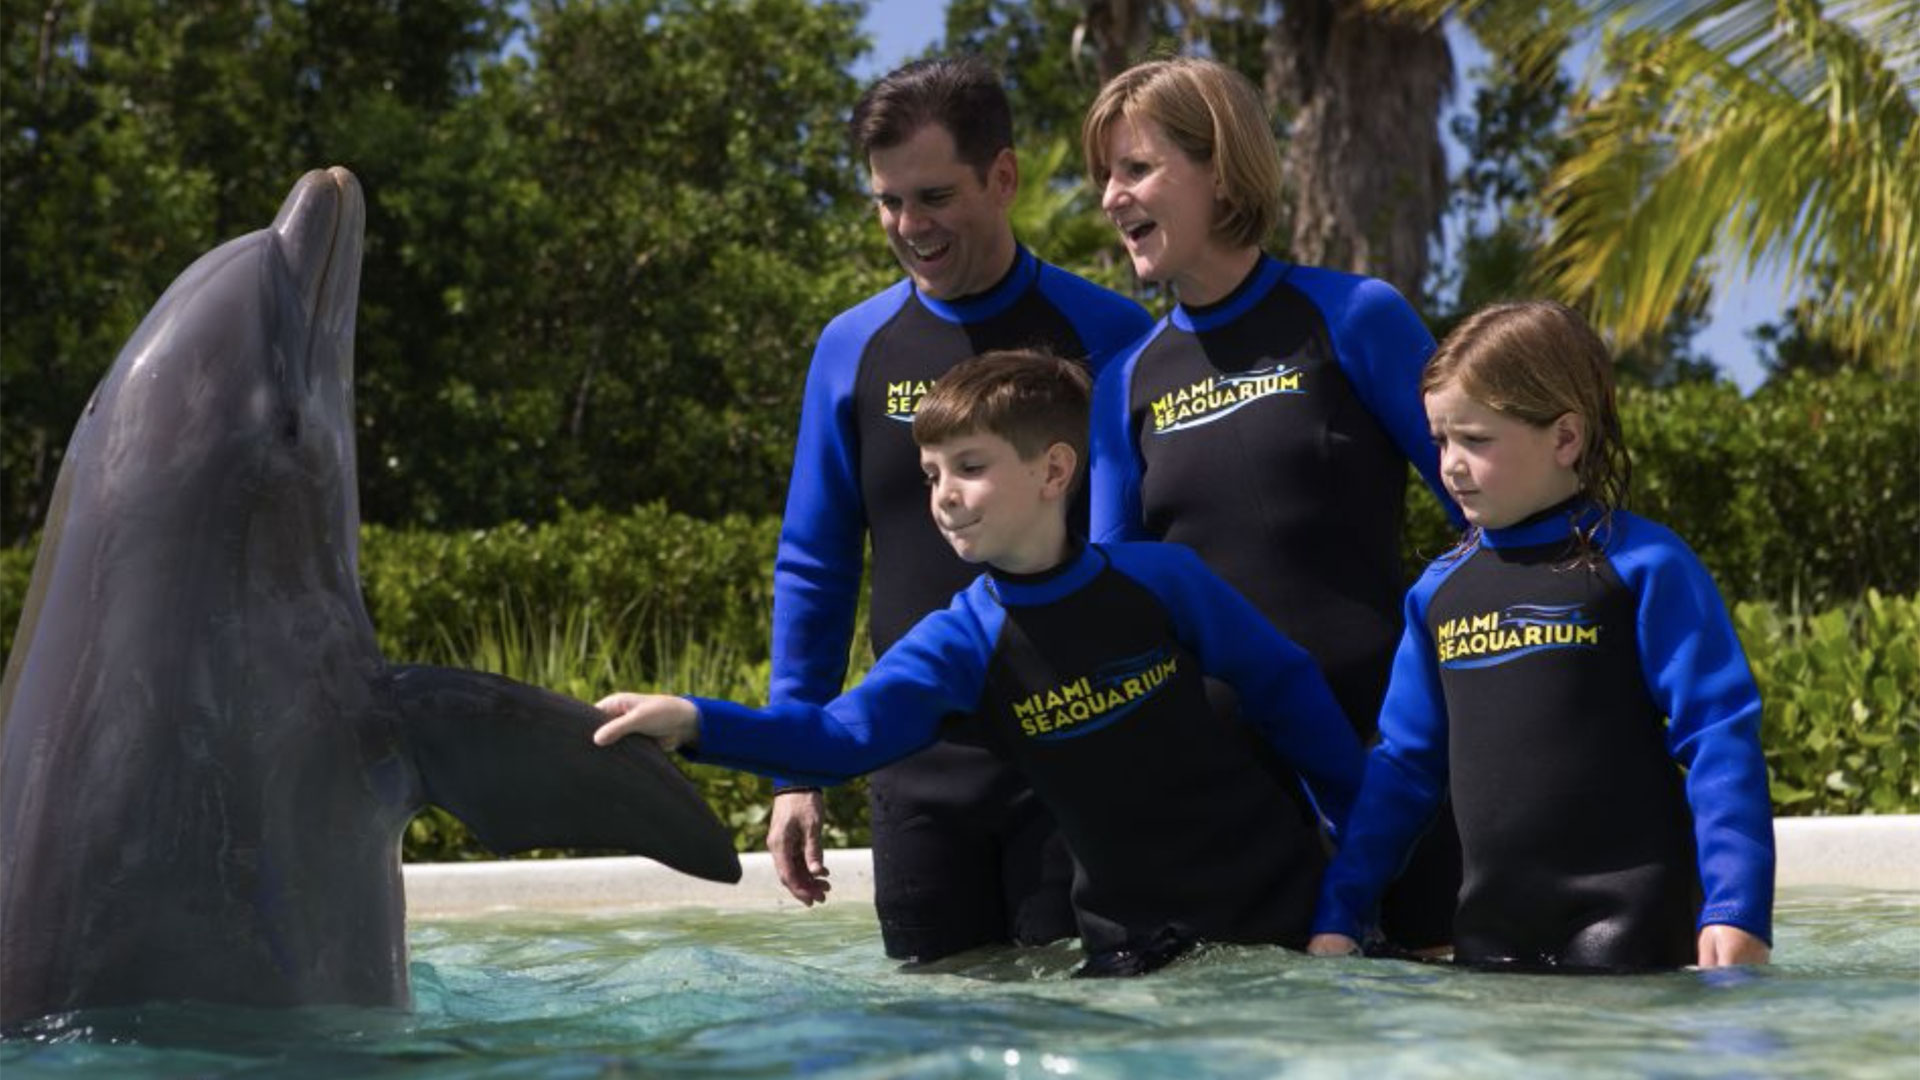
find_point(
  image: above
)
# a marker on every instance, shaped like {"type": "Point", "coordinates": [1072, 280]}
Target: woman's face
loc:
{"type": "Point", "coordinates": [1163, 203]}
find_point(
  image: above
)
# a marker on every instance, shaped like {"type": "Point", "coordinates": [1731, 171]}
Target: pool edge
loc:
{"type": "Point", "coordinates": [1859, 852]}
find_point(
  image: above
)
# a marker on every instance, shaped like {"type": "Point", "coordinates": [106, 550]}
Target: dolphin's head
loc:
{"type": "Point", "coordinates": [233, 400]}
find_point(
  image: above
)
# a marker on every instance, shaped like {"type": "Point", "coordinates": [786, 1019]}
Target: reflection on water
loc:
{"type": "Point", "coordinates": [694, 994]}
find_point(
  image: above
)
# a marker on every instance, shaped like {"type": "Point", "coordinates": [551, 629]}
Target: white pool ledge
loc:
{"type": "Point", "coordinates": [1859, 852]}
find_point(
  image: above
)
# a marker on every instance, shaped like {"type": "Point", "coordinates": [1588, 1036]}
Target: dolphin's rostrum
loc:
{"type": "Point", "coordinates": [207, 764]}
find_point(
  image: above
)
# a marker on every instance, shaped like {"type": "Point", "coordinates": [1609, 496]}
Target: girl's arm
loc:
{"type": "Point", "coordinates": [1698, 674]}
{"type": "Point", "coordinates": [1404, 782]}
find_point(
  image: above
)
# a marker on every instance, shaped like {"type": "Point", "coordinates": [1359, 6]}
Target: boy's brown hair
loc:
{"type": "Point", "coordinates": [1031, 399]}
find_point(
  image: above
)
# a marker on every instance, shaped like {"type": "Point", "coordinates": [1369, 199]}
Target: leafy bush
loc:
{"type": "Point", "coordinates": [1841, 690]}
{"type": "Point", "coordinates": [16, 571]}
{"type": "Point", "coordinates": [1808, 492]}
{"type": "Point", "coordinates": [639, 572]}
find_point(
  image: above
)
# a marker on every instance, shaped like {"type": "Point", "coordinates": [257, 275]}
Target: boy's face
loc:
{"type": "Point", "coordinates": [995, 508]}
{"type": "Point", "coordinates": [947, 227]}
{"type": "Point", "coordinates": [1502, 470]}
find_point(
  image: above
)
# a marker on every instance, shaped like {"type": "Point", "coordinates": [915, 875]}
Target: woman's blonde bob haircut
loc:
{"type": "Point", "coordinates": [1214, 115]}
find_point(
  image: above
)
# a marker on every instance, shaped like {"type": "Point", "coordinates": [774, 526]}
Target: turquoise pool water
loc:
{"type": "Point", "coordinates": [702, 995]}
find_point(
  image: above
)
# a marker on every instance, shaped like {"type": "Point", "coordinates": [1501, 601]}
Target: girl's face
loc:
{"type": "Point", "coordinates": [1499, 469]}
{"type": "Point", "coordinates": [1162, 202]}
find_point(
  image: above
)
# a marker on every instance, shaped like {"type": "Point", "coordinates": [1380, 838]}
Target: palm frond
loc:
{"type": "Point", "coordinates": [1741, 133]}
{"type": "Point", "coordinates": [1798, 147]}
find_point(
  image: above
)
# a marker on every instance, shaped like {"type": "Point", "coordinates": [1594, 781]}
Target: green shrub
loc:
{"type": "Point", "coordinates": [1808, 492]}
{"type": "Point", "coordinates": [1841, 692]}
{"type": "Point", "coordinates": [16, 571]}
{"type": "Point", "coordinates": [638, 572]}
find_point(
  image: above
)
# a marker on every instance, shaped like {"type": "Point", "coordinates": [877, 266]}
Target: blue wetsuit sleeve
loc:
{"type": "Point", "coordinates": [1382, 347]}
{"type": "Point", "coordinates": [1698, 674]}
{"type": "Point", "coordinates": [1282, 691]}
{"type": "Point", "coordinates": [1113, 472]}
{"type": "Point", "coordinates": [817, 567]}
{"type": "Point", "coordinates": [1405, 779]}
{"type": "Point", "coordinates": [938, 669]}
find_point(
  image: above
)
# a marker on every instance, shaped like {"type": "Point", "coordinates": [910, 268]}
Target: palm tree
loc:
{"type": "Point", "coordinates": [1734, 133]}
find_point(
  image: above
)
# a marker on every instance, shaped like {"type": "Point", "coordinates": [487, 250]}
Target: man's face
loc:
{"type": "Point", "coordinates": [946, 225]}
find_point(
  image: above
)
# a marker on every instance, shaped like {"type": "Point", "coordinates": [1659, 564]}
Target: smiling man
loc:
{"type": "Point", "coordinates": [963, 854]}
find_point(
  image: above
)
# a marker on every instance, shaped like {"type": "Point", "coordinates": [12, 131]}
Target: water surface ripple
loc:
{"type": "Point", "coordinates": [730, 995]}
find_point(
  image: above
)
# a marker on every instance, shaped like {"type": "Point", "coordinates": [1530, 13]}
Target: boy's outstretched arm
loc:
{"type": "Point", "coordinates": [672, 722]}
{"type": "Point", "coordinates": [1282, 691]}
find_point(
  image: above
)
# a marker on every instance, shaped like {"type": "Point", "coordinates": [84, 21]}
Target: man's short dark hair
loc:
{"type": "Point", "coordinates": [964, 96]}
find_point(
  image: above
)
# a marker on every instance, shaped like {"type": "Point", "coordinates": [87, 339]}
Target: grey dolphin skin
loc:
{"type": "Point", "coordinates": [207, 765]}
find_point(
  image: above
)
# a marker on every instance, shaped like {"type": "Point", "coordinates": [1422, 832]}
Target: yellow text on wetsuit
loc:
{"type": "Point", "coordinates": [1079, 701]}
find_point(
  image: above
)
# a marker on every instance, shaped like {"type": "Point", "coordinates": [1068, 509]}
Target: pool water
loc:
{"type": "Point", "coordinates": [774, 994]}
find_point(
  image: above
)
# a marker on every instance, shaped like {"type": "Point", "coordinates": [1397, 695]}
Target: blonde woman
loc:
{"type": "Point", "coordinates": [1268, 420]}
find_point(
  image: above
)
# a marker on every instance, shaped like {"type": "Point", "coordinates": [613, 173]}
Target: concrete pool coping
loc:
{"type": "Point", "coordinates": [1857, 852]}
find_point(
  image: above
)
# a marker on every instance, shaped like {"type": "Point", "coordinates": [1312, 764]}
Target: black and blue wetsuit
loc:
{"type": "Point", "coordinates": [1088, 678]}
{"type": "Point", "coordinates": [1271, 433]}
{"type": "Point", "coordinates": [962, 853]}
{"type": "Point", "coordinates": [1554, 697]}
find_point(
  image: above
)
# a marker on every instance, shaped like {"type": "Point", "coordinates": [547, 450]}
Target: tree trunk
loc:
{"type": "Point", "coordinates": [1119, 32]}
{"type": "Point", "coordinates": [1366, 173]}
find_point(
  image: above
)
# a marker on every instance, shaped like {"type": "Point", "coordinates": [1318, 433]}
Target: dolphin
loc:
{"type": "Point", "coordinates": [207, 765]}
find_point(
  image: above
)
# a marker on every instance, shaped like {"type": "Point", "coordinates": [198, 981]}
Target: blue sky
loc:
{"type": "Point", "coordinates": [901, 28]}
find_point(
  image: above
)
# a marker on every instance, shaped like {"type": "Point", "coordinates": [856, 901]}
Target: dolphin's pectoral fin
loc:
{"type": "Point", "coordinates": [518, 765]}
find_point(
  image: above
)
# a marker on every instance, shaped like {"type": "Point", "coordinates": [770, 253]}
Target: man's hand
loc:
{"type": "Point", "coordinates": [670, 721]}
{"type": "Point", "coordinates": [1724, 946]}
{"type": "Point", "coordinates": [793, 836]}
{"type": "Point", "coordinates": [1332, 945]}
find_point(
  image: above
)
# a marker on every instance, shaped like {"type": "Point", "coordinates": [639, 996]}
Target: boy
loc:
{"type": "Point", "coordinates": [1084, 664]}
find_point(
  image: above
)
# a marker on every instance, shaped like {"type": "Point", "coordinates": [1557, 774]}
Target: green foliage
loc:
{"type": "Point", "coordinates": [1841, 691]}
{"type": "Point", "coordinates": [134, 137]}
{"type": "Point", "coordinates": [635, 575]}
{"type": "Point", "coordinates": [1807, 492]}
{"type": "Point", "coordinates": [631, 238]}
{"type": "Point", "coordinates": [595, 261]}
{"type": "Point", "coordinates": [16, 573]}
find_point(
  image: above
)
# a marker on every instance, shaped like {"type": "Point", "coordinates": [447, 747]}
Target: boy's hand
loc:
{"type": "Point", "coordinates": [1332, 945]}
{"type": "Point", "coordinates": [1723, 946]}
{"type": "Point", "coordinates": [670, 721]}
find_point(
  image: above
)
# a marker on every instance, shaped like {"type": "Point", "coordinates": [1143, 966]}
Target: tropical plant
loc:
{"type": "Point", "coordinates": [1742, 133]}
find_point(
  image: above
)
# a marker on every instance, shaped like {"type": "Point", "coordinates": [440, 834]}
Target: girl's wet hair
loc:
{"type": "Point", "coordinates": [1536, 361]}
